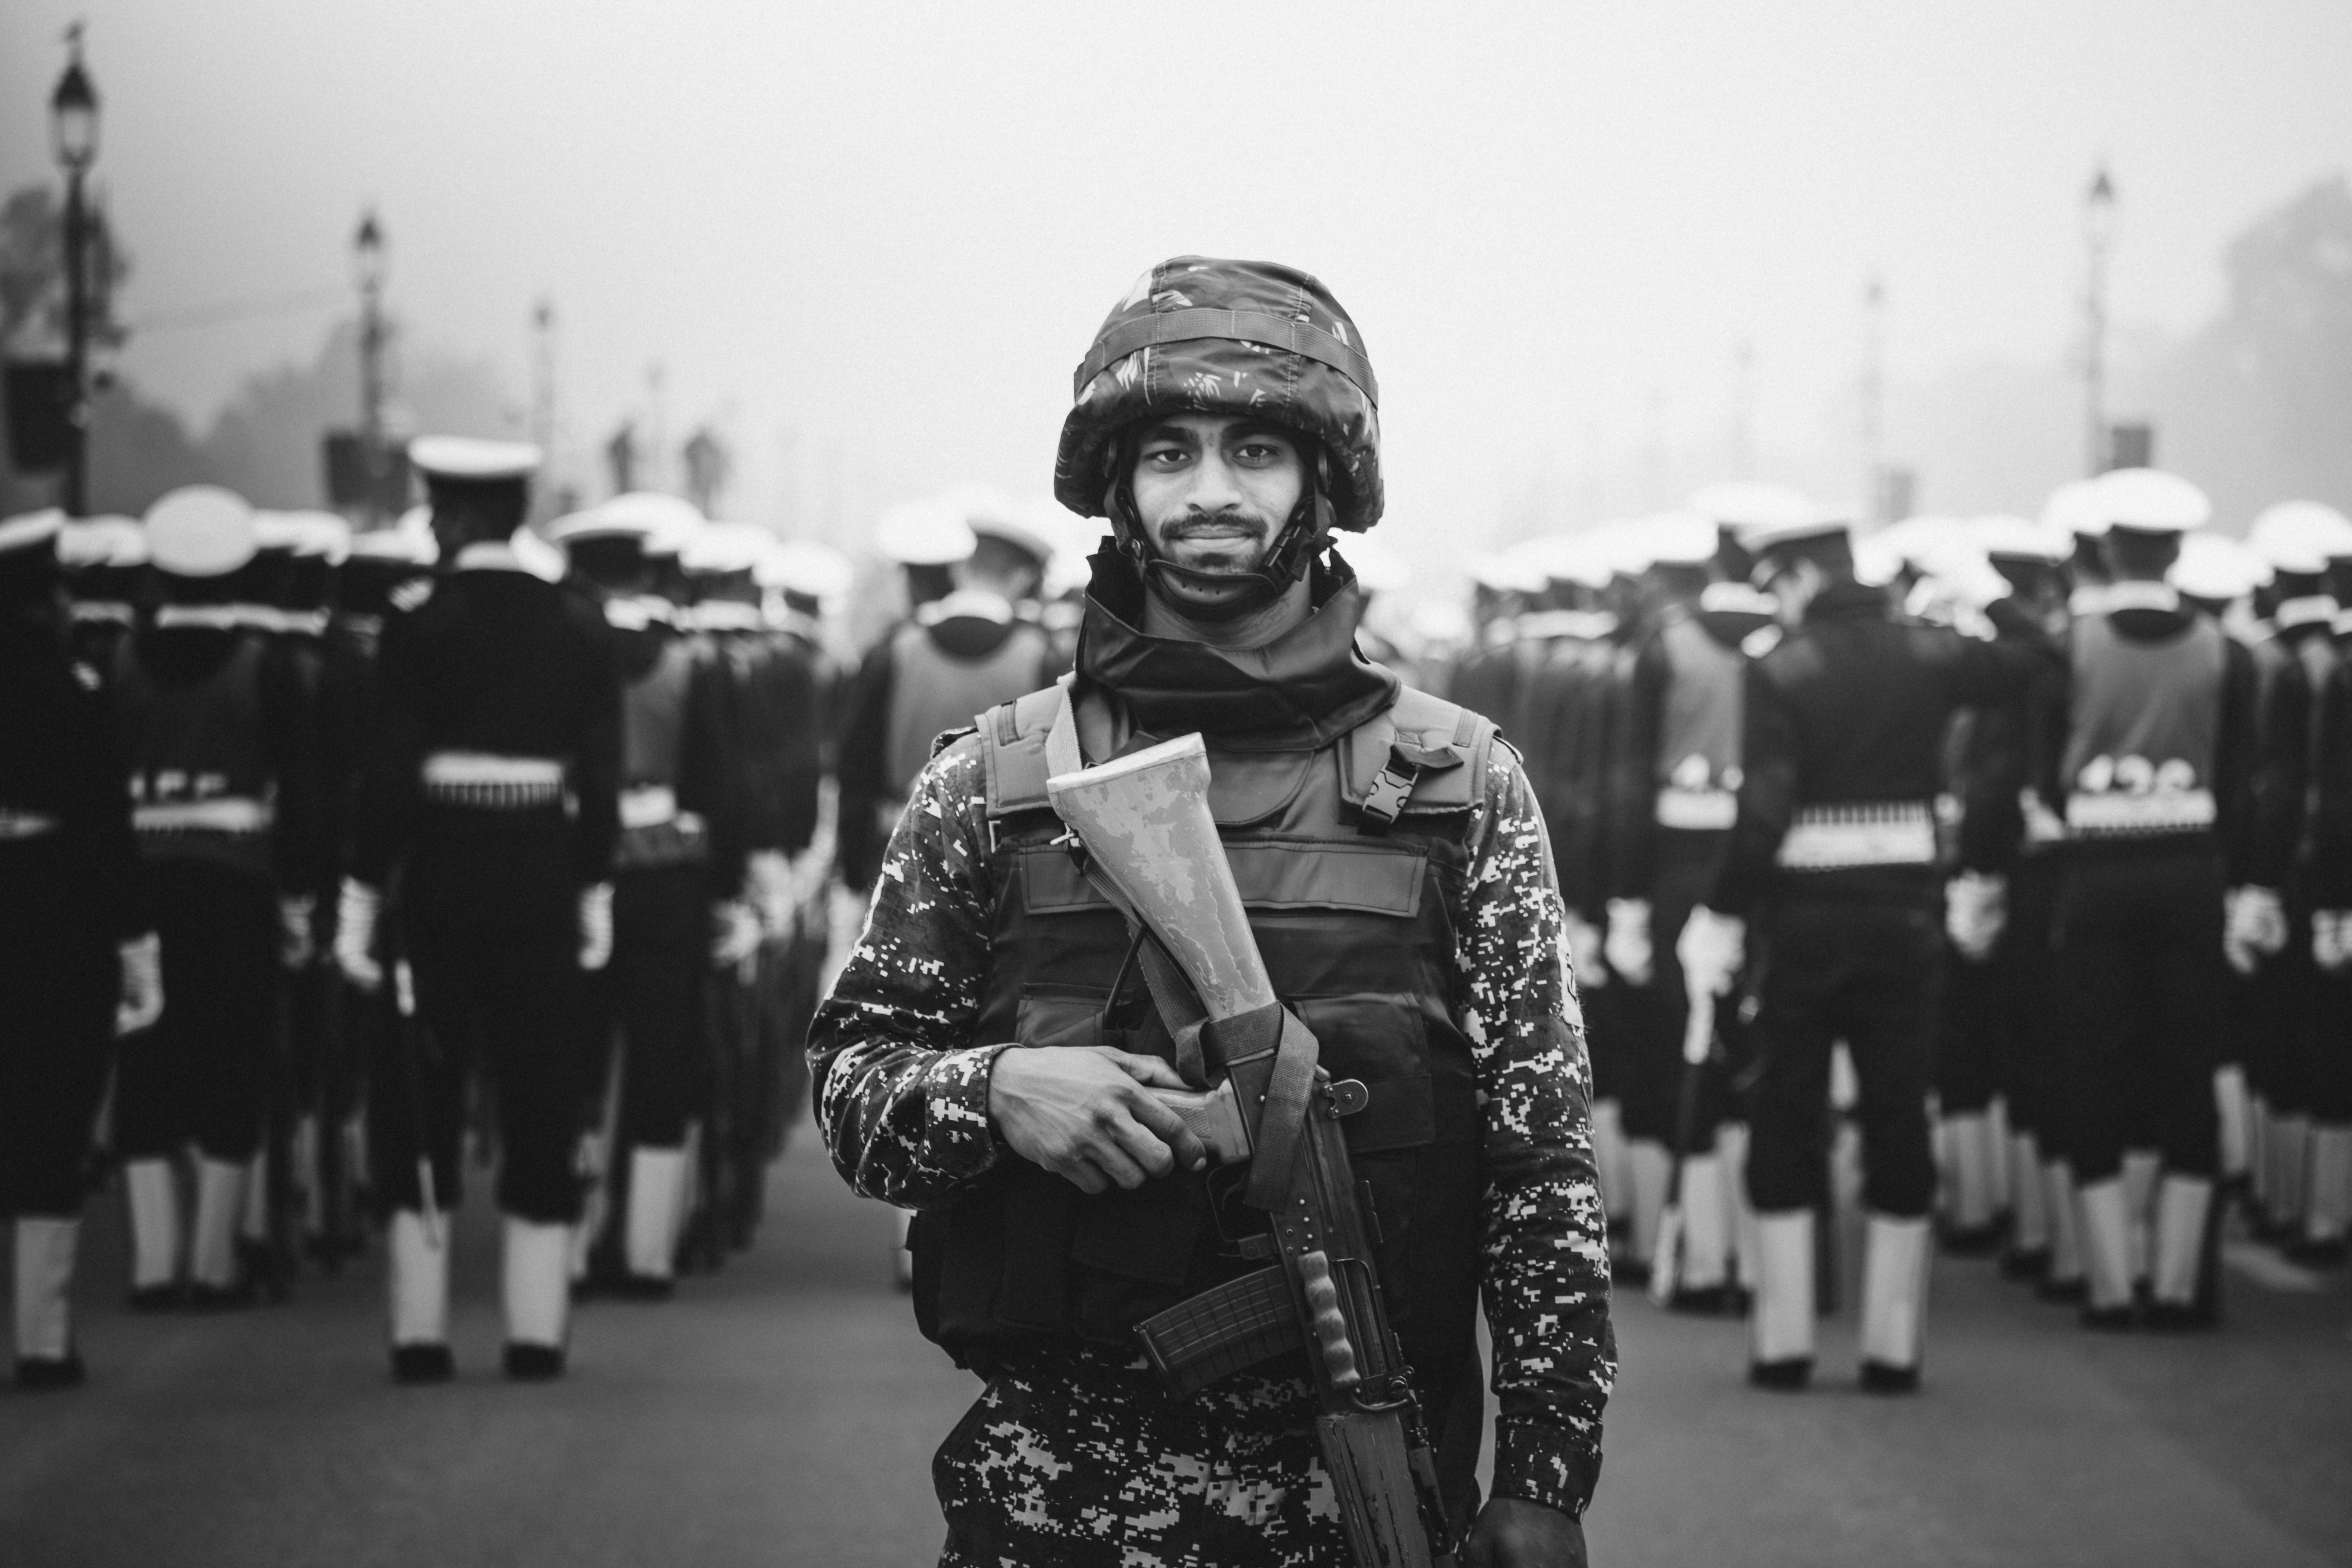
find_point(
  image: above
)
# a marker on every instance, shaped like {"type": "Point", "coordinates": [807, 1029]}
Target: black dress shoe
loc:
{"type": "Point", "coordinates": [1883, 1377]}
{"type": "Point", "coordinates": [2180, 1316]}
{"type": "Point", "coordinates": [1700, 1301]}
{"type": "Point", "coordinates": [2317, 1254]}
{"type": "Point", "coordinates": [157, 1297]}
{"type": "Point", "coordinates": [644, 1287]}
{"type": "Point", "coordinates": [43, 1371]}
{"type": "Point", "coordinates": [2062, 1290]}
{"type": "Point", "coordinates": [1784, 1376]}
{"type": "Point", "coordinates": [1971, 1241]}
{"type": "Point", "coordinates": [2109, 1319]}
{"type": "Point", "coordinates": [203, 1298]}
{"type": "Point", "coordinates": [534, 1363]}
{"type": "Point", "coordinates": [423, 1363]}
{"type": "Point", "coordinates": [2025, 1263]}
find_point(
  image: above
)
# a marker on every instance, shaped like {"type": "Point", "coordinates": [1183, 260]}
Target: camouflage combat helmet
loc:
{"type": "Point", "coordinates": [1197, 335]}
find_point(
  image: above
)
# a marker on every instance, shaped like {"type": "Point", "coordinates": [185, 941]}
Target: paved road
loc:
{"type": "Point", "coordinates": [783, 1412]}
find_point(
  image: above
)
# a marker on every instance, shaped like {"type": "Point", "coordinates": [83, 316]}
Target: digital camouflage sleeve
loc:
{"type": "Point", "coordinates": [902, 1093]}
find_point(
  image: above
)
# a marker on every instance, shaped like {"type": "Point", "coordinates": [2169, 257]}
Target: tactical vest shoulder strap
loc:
{"type": "Point", "coordinates": [1014, 734]}
{"type": "Point", "coordinates": [1425, 755]}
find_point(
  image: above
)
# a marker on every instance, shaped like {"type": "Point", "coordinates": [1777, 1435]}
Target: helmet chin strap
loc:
{"type": "Point", "coordinates": [1211, 596]}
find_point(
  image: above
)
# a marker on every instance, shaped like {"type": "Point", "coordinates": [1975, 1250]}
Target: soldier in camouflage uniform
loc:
{"type": "Point", "coordinates": [983, 1057]}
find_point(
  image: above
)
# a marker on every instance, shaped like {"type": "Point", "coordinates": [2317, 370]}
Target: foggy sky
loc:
{"type": "Point", "coordinates": [891, 229]}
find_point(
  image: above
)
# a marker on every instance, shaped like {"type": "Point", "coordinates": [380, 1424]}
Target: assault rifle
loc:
{"type": "Point", "coordinates": [1142, 829]}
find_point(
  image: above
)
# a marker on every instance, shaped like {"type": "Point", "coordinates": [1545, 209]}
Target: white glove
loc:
{"type": "Point", "coordinates": [296, 945]}
{"type": "Point", "coordinates": [2265, 919]}
{"type": "Point", "coordinates": [2331, 939]}
{"type": "Point", "coordinates": [1711, 950]}
{"type": "Point", "coordinates": [142, 995]}
{"type": "Point", "coordinates": [1628, 948]}
{"type": "Point", "coordinates": [355, 915]}
{"type": "Point", "coordinates": [596, 926]}
{"type": "Point", "coordinates": [1976, 909]}
{"type": "Point", "coordinates": [735, 935]}
{"type": "Point", "coordinates": [1584, 954]}
{"type": "Point", "coordinates": [771, 886]}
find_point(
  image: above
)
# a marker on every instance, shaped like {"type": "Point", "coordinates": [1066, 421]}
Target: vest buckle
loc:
{"type": "Point", "coordinates": [1392, 788]}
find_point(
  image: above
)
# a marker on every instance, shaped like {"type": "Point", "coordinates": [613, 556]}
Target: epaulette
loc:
{"type": "Point", "coordinates": [1760, 641]}
{"type": "Point", "coordinates": [89, 678]}
{"type": "Point", "coordinates": [411, 595]}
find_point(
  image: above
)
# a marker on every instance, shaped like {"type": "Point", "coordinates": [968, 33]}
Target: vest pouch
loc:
{"type": "Point", "coordinates": [1381, 1040]}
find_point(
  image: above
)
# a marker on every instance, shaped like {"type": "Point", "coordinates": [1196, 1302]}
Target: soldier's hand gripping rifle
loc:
{"type": "Point", "coordinates": [1148, 842]}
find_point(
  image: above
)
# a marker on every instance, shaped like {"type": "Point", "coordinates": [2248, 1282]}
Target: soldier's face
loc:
{"type": "Point", "coordinates": [1213, 490]}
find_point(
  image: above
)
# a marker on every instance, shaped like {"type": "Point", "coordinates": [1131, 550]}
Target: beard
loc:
{"type": "Point", "coordinates": [1224, 544]}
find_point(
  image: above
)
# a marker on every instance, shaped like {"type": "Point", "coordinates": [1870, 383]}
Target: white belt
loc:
{"type": "Point", "coordinates": [653, 805]}
{"type": "Point", "coordinates": [227, 814]}
{"type": "Point", "coordinates": [486, 781]}
{"type": "Point", "coordinates": [1843, 837]}
{"type": "Point", "coordinates": [20, 824]}
{"type": "Point", "coordinates": [2166, 811]}
{"type": "Point", "coordinates": [1697, 809]}
{"type": "Point", "coordinates": [101, 611]}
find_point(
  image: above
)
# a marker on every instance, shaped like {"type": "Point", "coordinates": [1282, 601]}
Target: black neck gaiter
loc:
{"type": "Point", "coordinates": [1300, 692]}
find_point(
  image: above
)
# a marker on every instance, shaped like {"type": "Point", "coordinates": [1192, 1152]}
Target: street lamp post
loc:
{"type": "Point", "coordinates": [368, 272]}
{"type": "Point", "coordinates": [73, 136]}
{"type": "Point", "coordinates": [2098, 240]}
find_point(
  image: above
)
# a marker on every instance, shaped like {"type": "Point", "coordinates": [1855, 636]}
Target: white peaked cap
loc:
{"type": "Point", "coordinates": [1877, 559]}
{"type": "Point", "coordinates": [990, 513]}
{"type": "Point", "coordinates": [723, 548]}
{"type": "Point", "coordinates": [102, 541]}
{"type": "Point", "coordinates": [1380, 569]}
{"type": "Point", "coordinates": [2215, 566]}
{"type": "Point", "coordinates": [1999, 534]}
{"type": "Point", "coordinates": [1622, 546]}
{"type": "Point", "coordinates": [539, 557]}
{"type": "Point", "coordinates": [1762, 514]}
{"type": "Point", "coordinates": [924, 533]}
{"type": "Point", "coordinates": [2149, 500]}
{"type": "Point", "coordinates": [2074, 508]}
{"type": "Point", "coordinates": [1917, 541]}
{"type": "Point", "coordinates": [2301, 536]}
{"type": "Point", "coordinates": [1685, 538]}
{"type": "Point", "coordinates": [410, 542]}
{"type": "Point", "coordinates": [1077, 538]}
{"type": "Point", "coordinates": [470, 457]}
{"type": "Point", "coordinates": [27, 530]}
{"type": "Point", "coordinates": [660, 524]}
{"type": "Point", "coordinates": [805, 567]}
{"type": "Point", "coordinates": [200, 530]}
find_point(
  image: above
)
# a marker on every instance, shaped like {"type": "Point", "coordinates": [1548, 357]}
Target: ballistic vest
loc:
{"type": "Point", "coordinates": [2144, 726]}
{"type": "Point", "coordinates": [654, 831]}
{"type": "Point", "coordinates": [1351, 915]}
{"type": "Point", "coordinates": [202, 788]}
{"type": "Point", "coordinates": [1697, 770]}
{"type": "Point", "coordinates": [932, 691]}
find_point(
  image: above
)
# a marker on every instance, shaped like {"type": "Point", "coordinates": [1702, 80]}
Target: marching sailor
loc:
{"type": "Point", "coordinates": [219, 730]}
{"type": "Point", "coordinates": [2160, 770]}
{"type": "Point", "coordinates": [79, 961]}
{"type": "Point", "coordinates": [1834, 847]}
{"type": "Point", "coordinates": [490, 800]}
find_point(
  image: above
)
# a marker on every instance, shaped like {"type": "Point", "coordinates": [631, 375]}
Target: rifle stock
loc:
{"type": "Point", "coordinates": [1146, 828]}
{"type": "Point", "coordinates": [1144, 822]}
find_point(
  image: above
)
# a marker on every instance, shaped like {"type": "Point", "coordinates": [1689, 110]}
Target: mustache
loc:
{"type": "Point", "coordinates": [1194, 523]}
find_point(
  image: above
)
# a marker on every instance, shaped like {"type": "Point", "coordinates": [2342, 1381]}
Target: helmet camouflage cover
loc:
{"type": "Point", "coordinates": [1197, 335]}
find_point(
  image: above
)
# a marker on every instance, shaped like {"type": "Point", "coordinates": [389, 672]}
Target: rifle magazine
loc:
{"type": "Point", "coordinates": [1222, 1330]}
